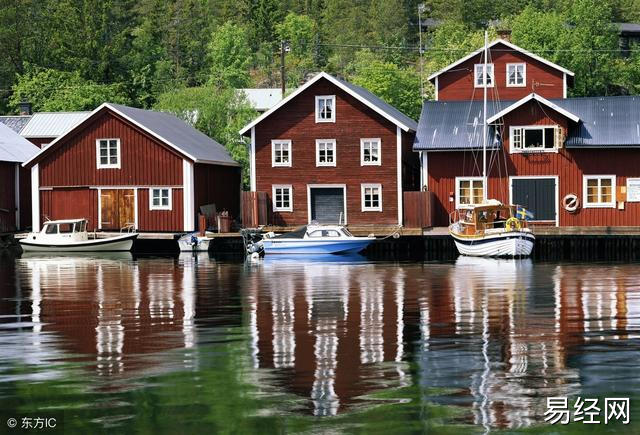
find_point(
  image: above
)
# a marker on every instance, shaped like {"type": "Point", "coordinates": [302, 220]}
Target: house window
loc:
{"type": "Point", "coordinates": [282, 198]}
{"type": "Point", "coordinates": [325, 152]}
{"type": "Point", "coordinates": [479, 75]}
{"type": "Point", "coordinates": [535, 138]}
{"type": "Point", "coordinates": [326, 108]}
{"type": "Point", "coordinates": [370, 152]}
{"type": "Point", "coordinates": [516, 74]}
{"type": "Point", "coordinates": [371, 197]}
{"type": "Point", "coordinates": [599, 191]}
{"type": "Point", "coordinates": [108, 153]}
{"type": "Point", "coordinates": [160, 199]}
{"type": "Point", "coordinates": [469, 191]}
{"type": "Point", "coordinates": [280, 153]}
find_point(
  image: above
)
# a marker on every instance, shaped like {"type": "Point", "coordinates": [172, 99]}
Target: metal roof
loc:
{"type": "Point", "coordinates": [52, 124]}
{"type": "Point", "coordinates": [604, 122]}
{"type": "Point", "coordinates": [15, 123]}
{"type": "Point", "coordinates": [13, 147]}
{"type": "Point", "coordinates": [262, 99]}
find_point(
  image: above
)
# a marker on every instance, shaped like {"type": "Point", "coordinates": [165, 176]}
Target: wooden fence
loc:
{"type": "Point", "coordinates": [255, 210]}
{"type": "Point", "coordinates": [418, 209]}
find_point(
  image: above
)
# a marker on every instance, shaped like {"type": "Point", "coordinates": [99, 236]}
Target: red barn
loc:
{"type": "Point", "coordinates": [332, 151]}
{"type": "Point", "coordinates": [15, 199]}
{"type": "Point", "coordinates": [571, 161]}
{"type": "Point", "coordinates": [123, 166]}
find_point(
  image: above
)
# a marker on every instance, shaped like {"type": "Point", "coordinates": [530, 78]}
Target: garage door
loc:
{"type": "Point", "coordinates": [327, 204]}
{"type": "Point", "coordinates": [537, 195]}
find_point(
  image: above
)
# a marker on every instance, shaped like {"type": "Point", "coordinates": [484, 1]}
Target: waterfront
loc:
{"type": "Point", "coordinates": [194, 344]}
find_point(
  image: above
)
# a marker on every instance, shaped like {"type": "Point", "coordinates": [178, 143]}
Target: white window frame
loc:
{"type": "Point", "coordinates": [365, 186]}
{"type": "Point", "coordinates": [160, 207]}
{"type": "Point", "coordinates": [513, 149]}
{"type": "Point", "coordinates": [586, 203]}
{"type": "Point", "coordinates": [372, 140]}
{"type": "Point", "coordinates": [457, 193]}
{"type": "Point", "coordinates": [108, 165]}
{"type": "Point", "coordinates": [273, 197]}
{"type": "Point", "coordinates": [286, 142]}
{"type": "Point", "coordinates": [524, 75]}
{"type": "Point", "coordinates": [332, 142]}
{"type": "Point", "coordinates": [480, 66]}
{"type": "Point", "coordinates": [333, 106]}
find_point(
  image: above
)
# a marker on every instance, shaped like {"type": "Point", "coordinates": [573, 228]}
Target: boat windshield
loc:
{"type": "Point", "coordinates": [324, 233]}
{"type": "Point", "coordinates": [298, 233]}
{"type": "Point", "coordinates": [65, 228]}
{"type": "Point", "coordinates": [346, 232]}
{"type": "Point", "coordinates": [51, 229]}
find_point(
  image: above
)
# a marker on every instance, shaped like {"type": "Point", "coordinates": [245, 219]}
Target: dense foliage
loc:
{"type": "Point", "coordinates": [75, 54]}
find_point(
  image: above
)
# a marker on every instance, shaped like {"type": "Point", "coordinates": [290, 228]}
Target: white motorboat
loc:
{"type": "Point", "coordinates": [194, 242]}
{"type": "Point", "coordinates": [70, 235]}
{"type": "Point", "coordinates": [313, 239]}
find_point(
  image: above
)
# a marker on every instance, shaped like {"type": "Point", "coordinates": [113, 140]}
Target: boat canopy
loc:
{"type": "Point", "coordinates": [298, 233]}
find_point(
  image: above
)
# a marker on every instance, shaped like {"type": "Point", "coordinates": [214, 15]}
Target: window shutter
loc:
{"type": "Point", "coordinates": [559, 137]}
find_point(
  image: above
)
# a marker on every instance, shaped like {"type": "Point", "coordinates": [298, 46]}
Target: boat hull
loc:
{"type": "Point", "coordinates": [306, 246]}
{"type": "Point", "coordinates": [118, 243]}
{"type": "Point", "coordinates": [511, 244]}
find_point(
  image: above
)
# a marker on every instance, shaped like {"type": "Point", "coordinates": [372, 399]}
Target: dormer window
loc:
{"type": "Point", "coordinates": [516, 74]}
{"type": "Point", "coordinates": [326, 108]}
{"type": "Point", "coordinates": [108, 153]}
{"type": "Point", "coordinates": [479, 75]}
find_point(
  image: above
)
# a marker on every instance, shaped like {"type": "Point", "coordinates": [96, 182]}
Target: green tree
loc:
{"type": "Point", "coordinates": [301, 33]}
{"type": "Point", "coordinates": [230, 56]}
{"type": "Point", "coordinates": [217, 112]}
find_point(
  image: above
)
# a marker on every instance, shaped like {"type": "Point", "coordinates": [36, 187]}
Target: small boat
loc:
{"type": "Point", "coordinates": [70, 235]}
{"type": "Point", "coordinates": [492, 229]}
{"type": "Point", "coordinates": [313, 239]}
{"type": "Point", "coordinates": [194, 242]}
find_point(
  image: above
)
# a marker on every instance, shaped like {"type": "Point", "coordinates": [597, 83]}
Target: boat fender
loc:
{"type": "Point", "coordinates": [512, 223]}
{"type": "Point", "coordinates": [571, 203]}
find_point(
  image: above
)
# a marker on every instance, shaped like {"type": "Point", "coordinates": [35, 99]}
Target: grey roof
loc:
{"type": "Point", "coordinates": [629, 27]}
{"type": "Point", "coordinates": [382, 105]}
{"type": "Point", "coordinates": [178, 133]}
{"type": "Point", "coordinates": [52, 124]}
{"type": "Point", "coordinates": [604, 122]}
{"type": "Point", "coordinates": [15, 123]}
{"type": "Point", "coordinates": [262, 99]}
{"type": "Point", "coordinates": [13, 147]}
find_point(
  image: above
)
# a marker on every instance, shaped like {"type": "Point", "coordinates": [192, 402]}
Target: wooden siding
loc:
{"type": "Point", "coordinates": [160, 220]}
{"type": "Point", "coordinates": [418, 209]}
{"type": "Point", "coordinates": [70, 204]}
{"type": "Point", "coordinates": [25, 198]}
{"type": "Point", "coordinates": [219, 185]}
{"type": "Point", "coordinates": [39, 141]}
{"type": "Point", "coordinates": [7, 196]}
{"type": "Point", "coordinates": [296, 121]}
{"type": "Point", "coordinates": [457, 84]}
{"type": "Point", "coordinates": [145, 161]}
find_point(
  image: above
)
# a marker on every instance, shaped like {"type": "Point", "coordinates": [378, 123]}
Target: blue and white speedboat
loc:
{"type": "Point", "coordinates": [315, 239]}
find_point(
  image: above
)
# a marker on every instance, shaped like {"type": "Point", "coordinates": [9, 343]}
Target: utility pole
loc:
{"type": "Point", "coordinates": [421, 9]}
{"type": "Point", "coordinates": [284, 46]}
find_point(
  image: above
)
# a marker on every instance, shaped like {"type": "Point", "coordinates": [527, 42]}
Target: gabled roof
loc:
{"type": "Point", "coordinates": [262, 99]}
{"type": "Point", "coordinates": [364, 96]}
{"type": "Point", "coordinates": [604, 122]}
{"type": "Point", "coordinates": [528, 98]}
{"type": "Point", "coordinates": [52, 124]}
{"type": "Point", "coordinates": [165, 127]}
{"type": "Point", "coordinates": [15, 123]}
{"type": "Point", "coordinates": [13, 147]}
{"type": "Point", "coordinates": [511, 46]}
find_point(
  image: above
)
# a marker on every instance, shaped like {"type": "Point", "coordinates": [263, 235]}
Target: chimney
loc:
{"type": "Point", "coordinates": [25, 108]}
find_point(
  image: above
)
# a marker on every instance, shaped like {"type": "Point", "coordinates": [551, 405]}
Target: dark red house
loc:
{"type": "Point", "coordinates": [123, 166]}
{"type": "Point", "coordinates": [571, 161]}
{"type": "Point", "coordinates": [333, 152]}
{"type": "Point", "coordinates": [15, 194]}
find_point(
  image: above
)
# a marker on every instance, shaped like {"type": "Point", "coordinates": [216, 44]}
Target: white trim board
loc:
{"type": "Point", "coordinates": [327, 186]}
{"type": "Point", "coordinates": [535, 177]}
{"type": "Point", "coordinates": [398, 175]}
{"type": "Point", "coordinates": [528, 98]}
{"type": "Point", "coordinates": [508, 44]}
{"type": "Point", "coordinates": [333, 80]}
{"type": "Point", "coordinates": [35, 198]}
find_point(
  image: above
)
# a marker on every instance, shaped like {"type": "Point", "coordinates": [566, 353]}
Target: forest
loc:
{"type": "Point", "coordinates": [189, 56]}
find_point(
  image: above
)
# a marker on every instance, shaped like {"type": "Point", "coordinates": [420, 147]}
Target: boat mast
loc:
{"type": "Point", "coordinates": [484, 123]}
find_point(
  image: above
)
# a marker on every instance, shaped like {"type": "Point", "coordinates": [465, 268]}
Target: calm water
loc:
{"type": "Point", "coordinates": [178, 345]}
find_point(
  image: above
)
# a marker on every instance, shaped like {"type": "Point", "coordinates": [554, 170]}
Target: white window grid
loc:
{"type": "Point", "coordinates": [326, 152]}
{"type": "Point", "coordinates": [517, 72]}
{"type": "Point", "coordinates": [108, 153]}
{"type": "Point", "coordinates": [602, 183]}
{"type": "Point", "coordinates": [160, 198]}
{"type": "Point", "coordinates": [478, 76]}
{"type": "Point", "coordinates": [371, 197]}
{"type": "Point", "coordinates": [370, 152]}
{"type": "Point", "coordinates": [282, 195]}
{"type": "Point", "coordinates": [325, 108]}
{"type": "Point", "coordinates": [281, 153]}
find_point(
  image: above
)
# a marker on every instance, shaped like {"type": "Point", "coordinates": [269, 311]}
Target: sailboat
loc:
{"type": "Point", "coordinates": [491, 228]}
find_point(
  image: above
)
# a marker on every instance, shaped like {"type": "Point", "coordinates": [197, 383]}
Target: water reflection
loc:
{"type": "Point", "coordinates": [489, 338]}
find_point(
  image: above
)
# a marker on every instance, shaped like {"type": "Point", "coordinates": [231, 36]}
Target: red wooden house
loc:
{"type": "Point", "coordinates": [571, 161]}
{"type": "Point", "coordinates": [15, 199]}
{"type": "Point", "coordinates": [122, 166]}
{"type": "Point", "coordinates": [333, 152]}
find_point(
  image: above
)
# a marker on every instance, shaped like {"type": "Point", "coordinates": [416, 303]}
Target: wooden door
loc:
{"type": "Point", "coordinates": [109, 209]}
{"type": "Point", "coordinates": [126, 207]}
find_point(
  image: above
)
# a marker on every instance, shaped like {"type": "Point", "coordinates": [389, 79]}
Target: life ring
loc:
{"type": "Point", "coordinates": [571, 203]}
{"type": "Point", "coordinates": [512, 223]}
